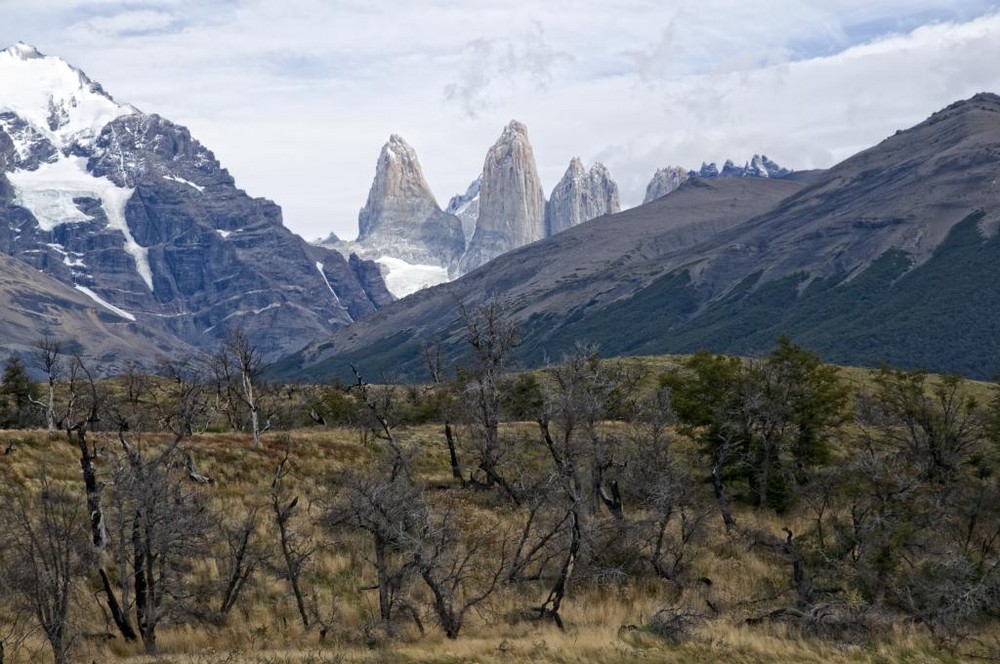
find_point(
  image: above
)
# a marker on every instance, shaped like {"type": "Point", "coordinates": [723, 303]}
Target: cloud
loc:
{"type": "Point", "coordinates": [297, 97]}
{"type": "Point", "coordinates": [131, 23]}
{"type": "Point", "coordinates": [492, 69]}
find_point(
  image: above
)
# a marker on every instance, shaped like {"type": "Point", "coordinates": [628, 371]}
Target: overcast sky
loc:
{"type": "Point", "coordinates": [296, 97]}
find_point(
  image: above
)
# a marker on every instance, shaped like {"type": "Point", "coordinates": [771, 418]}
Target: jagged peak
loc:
{"type": "Point", "coordinates": [459, 201]}
{"type": "Point", "coordinates": [399, 189]}
{"type": "Point", "coordinates": [513, 131]}
{"type": "Point", "coordinates": [24, 51]}
{"type": "Point", "coordinates": [54, 97]}
{"type": "Point", "coordinates": [395, 140]}
{"type": "Point", "coordinates": [396, 146]}
{"type": "Point", "coordinates": [600, 169]}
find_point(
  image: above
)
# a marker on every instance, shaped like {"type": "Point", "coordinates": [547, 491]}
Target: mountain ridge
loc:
{"type": "Point", "coordinates": [130, 208]}
{"type": "Point", "coordinates": [908, 194]}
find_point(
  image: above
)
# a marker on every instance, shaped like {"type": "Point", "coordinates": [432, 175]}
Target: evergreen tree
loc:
{"type": "Point", "coordinates": [18, 396]}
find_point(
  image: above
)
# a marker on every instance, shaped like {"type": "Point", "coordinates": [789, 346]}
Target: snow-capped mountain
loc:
{"type": "Point", "coordinates": [668, 179]}
{"type": "Point", "coordinates": [129, 209]}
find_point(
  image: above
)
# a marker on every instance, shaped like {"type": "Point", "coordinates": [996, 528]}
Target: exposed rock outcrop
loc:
{"type": "Point", "coordinates": [759, 166]}
{"type": "Point", "coordinates": [581, 196]}
{"type": "Point", "coordinates": [466, 207]}
{"type": "Point", "coordinates": [668, 179]}
{"type": "Point", "coordinates": [664, 181]}
{"type": "Point", "coordinates": [401, 218]}
{"type": "Point", "coordinates": [511, 200]}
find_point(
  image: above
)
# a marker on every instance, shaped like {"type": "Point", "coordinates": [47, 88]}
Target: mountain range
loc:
{"type": "Point", "coordinates": [890, 255]}
{"type": "Point", "coordinates": [121, 232]}
{"type": "Point", "coordinates": [129, 222]}
{"type": "Point", "coordinates": [417, 244]}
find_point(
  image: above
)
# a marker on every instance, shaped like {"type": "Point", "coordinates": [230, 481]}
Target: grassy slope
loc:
{"type": "Point", "coordinates": [943, 315]}
{"type": "Point", "coordinates": [266, 629]}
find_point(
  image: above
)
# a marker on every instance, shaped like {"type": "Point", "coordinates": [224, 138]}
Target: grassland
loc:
{"type": "Point", "coordinates": [728, 599]}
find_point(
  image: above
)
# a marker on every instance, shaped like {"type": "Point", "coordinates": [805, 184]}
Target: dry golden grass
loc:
{"type": "Point", "coordinates": [264, 628]}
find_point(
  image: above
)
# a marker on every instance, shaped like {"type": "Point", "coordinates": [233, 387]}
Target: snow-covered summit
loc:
{"type": "Point", "coordinates": [130, 210]}
{"type": "Point", "coordinates": [24, 51]}
{"type": "Point", "coordinates": [56, 101]}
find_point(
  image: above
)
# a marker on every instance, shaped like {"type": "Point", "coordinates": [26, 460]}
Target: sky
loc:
{"type": "Point", "coordinates": [297, 97]}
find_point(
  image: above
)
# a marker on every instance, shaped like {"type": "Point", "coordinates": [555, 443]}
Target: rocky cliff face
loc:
{"type": "Point", "coordinates": [466, 207]}
{"type": "Point", "coordinates": [668, 179]}
{"type": "Point", "coordinates": [664, 181]}
{"type": "Point", "coordinates": [581, 196]}
{"type": "Point", "coordinates": [402, 227]}
{"type": "Point", "coordinates": [511, 201]}
{"type": "Point", "coordinates": [759, 166]}
{"type": "Point", "coordinates": [401, 217]}
{"type": "Point", "coordinates": [129, 209]}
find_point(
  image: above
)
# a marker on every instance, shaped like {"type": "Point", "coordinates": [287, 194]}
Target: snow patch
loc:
{"type": "Point", "coordinates": [319, 266]}
{"type": "Point", "coordinates": [104, 303]}
{"type": "Point", "coordinates": [49, 193]}
{"type": "Point", "coordinates": [70, 258]}
{"type": "Point", "coordinates": [223, 234]}
{"type": "Point", "coordinates": [402, 278]}
{"type": "Point", "coordinates": [174, 178]}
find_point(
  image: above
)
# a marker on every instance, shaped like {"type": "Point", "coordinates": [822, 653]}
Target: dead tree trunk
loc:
{"type": "Point", "coordinates": [449, 436]}
{"type": "Point", "coordinates": [243, 563]}
{"type": "Point", "coordinates": [144, 599]}
{"type": "Point", "coordinates": [434, 363]}
{"type": "Point", "coordinates": [293, 566]}
{"type": "Point", "coordinates": [613, 501]}
{"type": "Point", "coordinates": [117, 615]}
{"type": "Point", "coordinates": [550, 609]}
{"type": "Point", "coordinates": [800, 578]}
{"type": "Point", "coordinates": [720, 495]}
{"type": "Point", "coordinates": [294, 558]}
{"type": "Point", "coordinates": [384, 580]}
{"type": "Point", "coordinates": [98, 526]}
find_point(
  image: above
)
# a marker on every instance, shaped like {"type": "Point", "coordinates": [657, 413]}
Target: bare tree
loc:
{"type": "Point", "coordinates": [461, 571]}
{"type": "Point", "coordinates": [242, 557]}
{"type": "Point", "coordinates": [386, 506]}
{"type": "Point", "coordinates": [435, 367]}
{"type": "Point", "coordinates": [159, 522]}
{"type": "Point", "coordinates": [378, 417]}
{"type": "Point", "coordinates": [296, 550]}
{"type": "Point", "coordinates": [244, 358]}
{"type": "Point", "coordinates": [493, 335]}
{"type": "Point", "coordinates": [48, 354]}
{"type": "Point", "coordinates": [46, 553]}
{"type": "Point", "coordinates": [182, 401]}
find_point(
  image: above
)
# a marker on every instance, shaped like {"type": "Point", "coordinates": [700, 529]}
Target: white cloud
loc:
{"type": "Point", "coordinates": [492, 69]}
{"type": "Point", "coordinates": [133, 22]}
{"type": "Point", "coordinates": [296, 98]}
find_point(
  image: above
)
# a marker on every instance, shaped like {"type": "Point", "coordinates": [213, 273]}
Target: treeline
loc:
{"type": "Point", "coordinates": [876, 501]}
